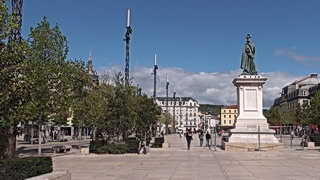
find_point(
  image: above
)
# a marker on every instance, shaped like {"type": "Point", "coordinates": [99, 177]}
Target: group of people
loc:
{"type": "Point", "coordinates": [189, 138]}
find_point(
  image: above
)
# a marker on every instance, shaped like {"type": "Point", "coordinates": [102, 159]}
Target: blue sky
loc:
{"type": "Point", "coordinates": [206, 35]}
{"type": "Point", "coordinates": [196, 36]}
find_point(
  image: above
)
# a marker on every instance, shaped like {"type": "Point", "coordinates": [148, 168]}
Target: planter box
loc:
{"type": "Point", "coordinates": [64, 175]}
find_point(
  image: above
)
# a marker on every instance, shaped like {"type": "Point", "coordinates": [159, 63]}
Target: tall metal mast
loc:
{"type": "Point", "coordinates": [174, 112]}
{"type": "Point", "coordinates": [127, 40]}
{"type": "Point", "coordinates": [17, 14]}
{"type": "Point", "coordinates": [155, 78]}
{"type": "Point", "coordinates": [167, 98]}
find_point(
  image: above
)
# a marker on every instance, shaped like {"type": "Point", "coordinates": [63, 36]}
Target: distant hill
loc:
{"type": "Point", "coordinates": [212, 109]}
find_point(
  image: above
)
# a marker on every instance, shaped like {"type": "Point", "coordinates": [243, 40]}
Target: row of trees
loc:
{"type": "Point", "coordinates": [39, 84]}
{"type": "Point", "coordinates": [116, 110]}
{"type": "Point", "coordinates": [304, 115]}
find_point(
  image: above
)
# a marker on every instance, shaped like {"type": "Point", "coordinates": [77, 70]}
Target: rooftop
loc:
{"type": "Point", "coordinates": [176, 99]}
{"type": "Point", "coordinates": [230, 107]}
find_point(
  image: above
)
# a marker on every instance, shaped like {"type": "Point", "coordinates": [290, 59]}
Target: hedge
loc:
{"type": "Point", "coordinates": [113, 149]}
{"type": "Point", "coordinates": [102, 147]}
{"type": "Point", "coordinates": [133, 145]}
{"type": "Point", "coordinates": [22, 168]}
{"type": "Point", "coordinates": [95, 145]}
{"type": "Point", "coordinates": [158, 142]}
{"type": "Point", "coordinates": [315, 139]}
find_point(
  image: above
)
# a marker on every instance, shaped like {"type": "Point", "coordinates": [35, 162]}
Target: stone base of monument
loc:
{"type": "Point", "coordinates": [228, 146]}
{"type": "Point", "coordinates": [251, 128]}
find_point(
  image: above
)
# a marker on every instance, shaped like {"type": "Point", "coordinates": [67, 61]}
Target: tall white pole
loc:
{"type": "Point", "coordinates": [167, 78]}
{"type": "Point", "coordinates": [155, 59]}
{"type": "Point", "coordinates": [128, 18]}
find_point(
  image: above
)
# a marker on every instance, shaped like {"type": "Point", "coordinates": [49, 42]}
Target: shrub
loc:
{"type": "Point", "coordinates": [22, 168]}
{"type": "Point", "coordinates": [95, 145]}
{"type": "Point", "coordinates": [315, 139]}
{"type": "Point", "coordinates": [158, 142]}
{"type": "Point", "coordinates": [113, 149]}
{"type": "Point", "coordinates": [133, 145]}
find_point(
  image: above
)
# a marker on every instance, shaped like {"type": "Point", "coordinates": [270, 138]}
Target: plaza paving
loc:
{"type": "Point", "coordinates": [198, 163]}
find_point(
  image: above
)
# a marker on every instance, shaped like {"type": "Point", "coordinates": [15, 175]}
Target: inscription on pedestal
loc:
{"type": "Point", "coordinates": [250, 100]}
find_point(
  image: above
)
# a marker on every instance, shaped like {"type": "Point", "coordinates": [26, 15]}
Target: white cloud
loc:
{"type": "Point", "coordinates": [296, 56]}
{"type": "Point", "coordinates": [212, 88]}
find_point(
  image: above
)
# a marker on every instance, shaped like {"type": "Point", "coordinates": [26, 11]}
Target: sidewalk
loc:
{"type": "Point", "coordinates": [197, 163]}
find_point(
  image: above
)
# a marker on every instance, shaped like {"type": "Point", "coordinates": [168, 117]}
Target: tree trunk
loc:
{"type": "Point", "coordinates": [94, 133]}
{"type": "Point", "coordinates": [80, 132]}
{"type": "Point", "coordinates": [8, 142]}
{"type": "Point", "coordinates": [32, 134]}
{"type": "Point", "coordinates": [124, 135]}
{"type": "Point", "coordinates": [39, 140]}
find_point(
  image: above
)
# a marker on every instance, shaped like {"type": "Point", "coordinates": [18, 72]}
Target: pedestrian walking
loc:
{"type": "Point", "coordinates": [201, 138]}
{"type": "Point", "coordinates": [208, 137]}
{"type": "Point", "coordinates": [189, 138]}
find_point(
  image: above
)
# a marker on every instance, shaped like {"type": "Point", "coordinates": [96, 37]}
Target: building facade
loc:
{"type": "Point", "coordinates": [183, 109]}
{"type": "Point", "coordinates": [298, 93]}
{"type": "Point", "coordinates": [207, 121]}
{"type": "Point", "coordinates": [228, 115]}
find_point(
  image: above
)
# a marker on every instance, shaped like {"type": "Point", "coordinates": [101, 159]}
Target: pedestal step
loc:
{"type": "Point", "coordinates": [228, 146]}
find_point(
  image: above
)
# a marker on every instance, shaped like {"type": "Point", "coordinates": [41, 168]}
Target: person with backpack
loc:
{"type": "Point", "coordinates": [208, 137]}
{"type": "Point", "coordinates": [189, 138]}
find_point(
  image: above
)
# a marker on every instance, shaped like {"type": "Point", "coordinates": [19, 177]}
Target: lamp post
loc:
{"type": "Point", "coordinates": [174, 112]}
{"type": "Point", "coordinates": [167, 98]}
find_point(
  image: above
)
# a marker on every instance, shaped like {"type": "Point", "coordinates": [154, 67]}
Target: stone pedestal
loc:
{"type": "Point", "coordinates": [251, 123]}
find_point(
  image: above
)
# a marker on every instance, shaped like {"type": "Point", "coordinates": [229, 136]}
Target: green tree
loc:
{"type": "Point", "coordinates": [47, 76]}
{"type": "Point", "coordinates": [313, 111]}
{"type": "Point", "coordinates": [165, 119]}
{"type": "Point", "coordinates": [122, 107]}
{"type": "Point", "coordinates": [148, 115]}
{"type": "Point", "coordinates": [91, 109]}
{"type": "Point", "coordinates": [12, 79]}
{"type": "Point", "coordinates": [273, 116]}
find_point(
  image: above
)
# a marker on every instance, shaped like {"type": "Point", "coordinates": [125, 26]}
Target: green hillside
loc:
{"type": "Point", "coordinates": [212, 109]}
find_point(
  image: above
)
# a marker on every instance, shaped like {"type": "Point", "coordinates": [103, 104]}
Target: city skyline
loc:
{"type": "Point", "coordinates": [202, 41]}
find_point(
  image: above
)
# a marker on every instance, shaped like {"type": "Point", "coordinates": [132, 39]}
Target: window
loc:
{"type": "Point", "coordinates": [229, 121]}
{"type": "Point", "coordinates": [225, 121]}
{"type": "Point", "coordinates": [235, 116]}
{"type": "Point", "coordinates": [229, 116]}
{"type": "Point", "coordinates": [235, 111]}
{"type": "Point", "coordinates": [224, 111]}
{"type": "Point", "coordinates": [229, 111]}
{"type": "Point", "coordinates": [224, 116]}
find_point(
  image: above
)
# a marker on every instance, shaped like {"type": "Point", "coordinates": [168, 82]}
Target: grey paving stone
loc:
{"type": "Point", "coordinates": [198, 163]}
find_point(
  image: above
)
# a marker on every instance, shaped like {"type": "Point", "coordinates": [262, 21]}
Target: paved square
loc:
{"type": "Point", "coordinates": [197, 163]}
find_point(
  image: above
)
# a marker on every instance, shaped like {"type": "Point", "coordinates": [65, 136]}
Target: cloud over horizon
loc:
{"type": "Point", "coordinates": [290, 52]}
{"type": "Point", "coordinates": [207, 88]}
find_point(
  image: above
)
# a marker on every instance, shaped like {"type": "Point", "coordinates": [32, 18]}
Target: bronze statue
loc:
{"type": "Point", "coordinates": [247, 58]}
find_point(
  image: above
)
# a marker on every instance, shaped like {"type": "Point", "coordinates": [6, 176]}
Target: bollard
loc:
{"type": "Point", "coordinates": [215, 139]}
{"type": "Point", "coordinates": [259, 138]}
{"type": "Point", "coordinates": [280, 134]}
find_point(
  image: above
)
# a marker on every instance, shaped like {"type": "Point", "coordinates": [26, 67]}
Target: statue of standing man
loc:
{"type": "Point", "coordinates": [247, 58]}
